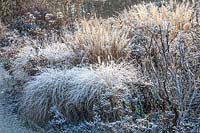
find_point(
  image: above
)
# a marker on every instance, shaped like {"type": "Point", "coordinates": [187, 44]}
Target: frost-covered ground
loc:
{"type": "Point", "coordinates": [9, 122]}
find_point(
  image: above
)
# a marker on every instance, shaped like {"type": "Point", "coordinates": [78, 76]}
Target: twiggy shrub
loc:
{"type": "Point", "coordinates": [71, 9]}
{"type": "Point", "coordinates": [172, 65]}
{"type": "Point", "coordinates": [166, 47]}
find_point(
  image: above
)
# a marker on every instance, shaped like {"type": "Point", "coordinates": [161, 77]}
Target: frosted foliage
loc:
{"type": "Point", "coordinates": [53, 53]}
{"type": "Point", "coordinates": [60, 124]}
{"type": "Point", "coordinates": [22, 59]}
{"type": "Point", "coordinates": [112, 77]}
{"type": "Point", "coordinates": [4, 79]}
{"type": "Point", "coordinates": [64, 88]}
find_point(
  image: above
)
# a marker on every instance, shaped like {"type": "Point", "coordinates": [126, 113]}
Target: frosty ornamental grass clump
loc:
{"type": "Point", "coordinates": [174, 16]}
{"type": "Point", "coordinates": [75, 92]}
{"type": "Point", "coordinates": [31, 59]}
{"type": "Point", "coordinates": [96, 38]}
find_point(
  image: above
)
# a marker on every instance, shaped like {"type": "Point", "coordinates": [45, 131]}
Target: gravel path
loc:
{"type": "Point", "coordinates": [8, 121]}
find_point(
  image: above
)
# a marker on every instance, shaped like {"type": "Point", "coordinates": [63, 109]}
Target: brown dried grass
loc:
{"type": "Point", "coordinates": [174, 16]}
{"type": "Point", "coordinates": [98, 40]}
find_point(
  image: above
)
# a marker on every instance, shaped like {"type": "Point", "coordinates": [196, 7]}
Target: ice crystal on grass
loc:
{"type": "Point", "coordinates": [34, 58]}
{"type": "Point", "coordinates": [4, 79]}
{"type": "Point", "coordinates": [76, 90]}
{"type": "Point", "coordinates": [2, 29]}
